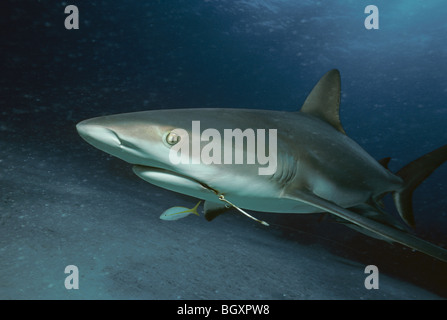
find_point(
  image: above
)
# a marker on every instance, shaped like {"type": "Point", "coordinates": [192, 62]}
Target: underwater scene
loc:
{"type": "Point", "coordinates": [118, 179]}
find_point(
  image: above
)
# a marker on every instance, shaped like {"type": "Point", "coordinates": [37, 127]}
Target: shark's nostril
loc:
{"type": "Point", "coordinates": [118, 140]}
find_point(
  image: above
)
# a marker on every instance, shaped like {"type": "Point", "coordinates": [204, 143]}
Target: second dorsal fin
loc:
{"type": "Point", "coordinates": [384, 162]}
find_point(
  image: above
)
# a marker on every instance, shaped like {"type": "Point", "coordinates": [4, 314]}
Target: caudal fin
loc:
{"type": "Point", "coordinates": [413, 174]}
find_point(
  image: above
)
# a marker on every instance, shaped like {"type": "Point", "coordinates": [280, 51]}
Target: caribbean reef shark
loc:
{"type": "Point", "coordinates": [318, 168]}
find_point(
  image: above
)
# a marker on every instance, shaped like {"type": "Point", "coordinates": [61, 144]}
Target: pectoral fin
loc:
{"type": "Point", "coordinates": [376, 227]}
{"type": "Point", "coordinates": [372, 213]}
{"type": "Point", "coordinates": [214, 209]}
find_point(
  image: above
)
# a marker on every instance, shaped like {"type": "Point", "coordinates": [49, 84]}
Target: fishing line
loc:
{"type": "Point", "coordinates": [222, 198]}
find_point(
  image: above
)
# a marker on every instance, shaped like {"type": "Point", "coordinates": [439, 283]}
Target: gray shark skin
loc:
{"type": "Point", "coordinates": [319, 168]}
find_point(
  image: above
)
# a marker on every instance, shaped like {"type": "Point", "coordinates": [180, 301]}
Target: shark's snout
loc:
{"type": "Point", "coordinates": [98, 135]}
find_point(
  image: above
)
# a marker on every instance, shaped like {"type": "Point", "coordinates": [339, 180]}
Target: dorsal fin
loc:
{"type": "Point", "coordinates": [324, 100]}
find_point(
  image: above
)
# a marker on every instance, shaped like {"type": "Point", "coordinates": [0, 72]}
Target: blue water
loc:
{"type": "Point", "coordinates": [139, 55]}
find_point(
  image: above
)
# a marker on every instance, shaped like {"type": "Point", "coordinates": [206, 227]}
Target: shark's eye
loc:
{"type": "Point", "coordinates": [172, 138]}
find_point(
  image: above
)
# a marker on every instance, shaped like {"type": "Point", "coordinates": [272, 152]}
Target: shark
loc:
{"type": "Point", "coordinates": [318, 169]}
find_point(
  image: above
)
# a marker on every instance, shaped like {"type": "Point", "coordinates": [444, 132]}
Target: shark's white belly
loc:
{"type": "Point", "coordinates": [253, 196]}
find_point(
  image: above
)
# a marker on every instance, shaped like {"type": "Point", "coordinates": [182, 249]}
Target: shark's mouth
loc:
{"type": "Point", "coordinates": [171, 180]}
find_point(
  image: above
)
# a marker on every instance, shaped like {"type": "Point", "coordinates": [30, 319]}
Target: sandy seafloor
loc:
{"type": "Point", "coordinates": [71, 204]}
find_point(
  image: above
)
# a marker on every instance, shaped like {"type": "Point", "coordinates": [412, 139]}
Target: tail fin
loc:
{"type": "Point", "coordinates": [413, 174]}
